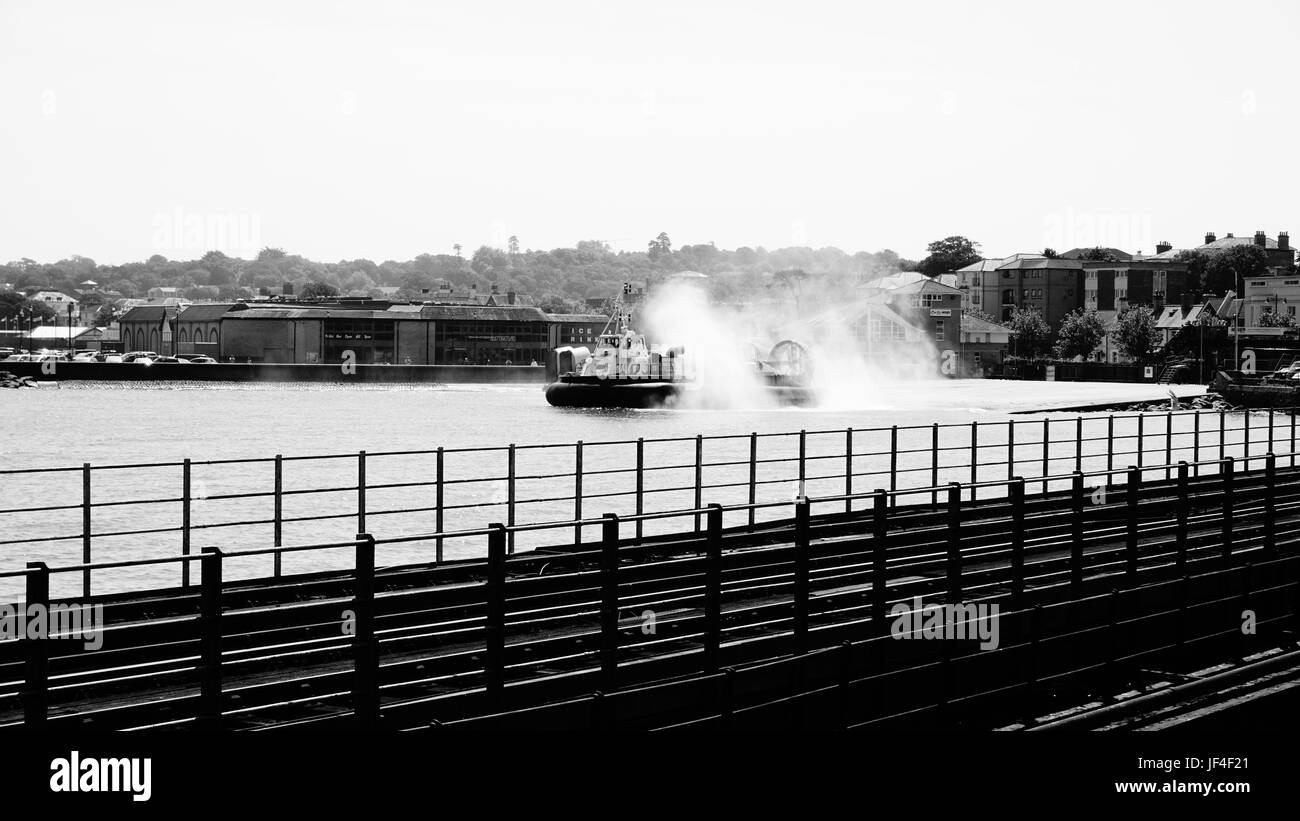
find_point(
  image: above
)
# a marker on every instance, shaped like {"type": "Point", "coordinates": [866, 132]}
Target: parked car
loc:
{"type": "Point", "coordinates": [202, 359]}
{"type": "Point", "coordinates": [132, 356]}
{"type": "Point", "coordinates": [166, 360]}
{"type": "Point", "coordinates": [86, 356]}
{"type": "Point", "coordinates": [112, 357]}
{"type": "Point", "coordinates": [5, 353]}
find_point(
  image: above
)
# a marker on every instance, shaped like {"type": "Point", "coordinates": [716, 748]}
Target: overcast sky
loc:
{"type": "Point", "coordinates": [386, 130]}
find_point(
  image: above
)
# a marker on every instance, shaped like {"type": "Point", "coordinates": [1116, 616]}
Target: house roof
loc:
{"type": "Point", "coordinates": [578, 317]}
{"type": "Point", "coordinates": [926, 285]}
{"type": "Point", "coordinates": [1077, 253]}
{"type": "Point", "coordinates": [146, 313]}
{"type": "Point", "coordinates": [1229, 241]}
{"type": "Point", "coordinates": [204, 312]}
{"type": "Point", "coordinates": [57, 332]}
{"type": "Point", "coordinates": [1037, 263]}
{"type": "Point", "coordinates": [977, 325]}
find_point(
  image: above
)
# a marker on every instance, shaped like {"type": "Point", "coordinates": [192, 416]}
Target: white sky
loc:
{"type": "Point", "coordinates": [385, 130]}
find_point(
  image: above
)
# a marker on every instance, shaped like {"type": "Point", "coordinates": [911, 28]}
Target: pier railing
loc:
{"type": "Point", "coordinates": [1182, 540]}
{"type": "Point", "coordinates": [114, 512]}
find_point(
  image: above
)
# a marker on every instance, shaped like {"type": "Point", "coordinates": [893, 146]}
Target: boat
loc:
{"type": "Point", "coordinates": [1279, 389]}
{"type": "Point", "coordinates": [623, 371]}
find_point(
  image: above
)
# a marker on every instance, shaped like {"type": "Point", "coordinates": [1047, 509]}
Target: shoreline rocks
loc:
{"type": "Point", "coordinates": [8, 380]}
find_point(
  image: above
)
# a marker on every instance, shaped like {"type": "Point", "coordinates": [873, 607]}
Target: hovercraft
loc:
{"type": "Point", "coordinates": [623, 372]}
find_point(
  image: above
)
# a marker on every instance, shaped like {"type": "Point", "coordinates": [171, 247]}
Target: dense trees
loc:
{"type": "Point", "coordinates": [562, 277]}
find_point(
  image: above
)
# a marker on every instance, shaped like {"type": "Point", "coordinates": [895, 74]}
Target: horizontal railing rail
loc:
{"type": "Point", "coordinates": [366, 489]}
{"type": "Point", "coordinates": [1164, 555]}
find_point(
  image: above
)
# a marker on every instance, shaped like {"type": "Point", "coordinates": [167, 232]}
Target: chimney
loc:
{"type": "Point", "coordinates": [510, 297]}
{"type": "Point", "coordinates": [1209, 237]}
{"type": "Point", "coordinates": [1260, 239]}
{"type": "Point", "coordinates": [1161, 247]}
{"type": "Point", "coordinates": [1229, 236]}
{"type": "Point", "coordinates": [1187, 302]}
{"type": "Point", "coordinates": [1283, 241]}
{"type": "Point", "coordinates": [495, 288]}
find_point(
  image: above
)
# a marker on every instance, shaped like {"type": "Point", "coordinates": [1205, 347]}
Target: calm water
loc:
{"type": "Point", "coordinates": [119, 424]}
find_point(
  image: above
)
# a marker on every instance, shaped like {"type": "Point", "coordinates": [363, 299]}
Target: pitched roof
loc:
{"type": "Point", "coordinates": [978, 325]}
{"type": "Point", "coordinates": [1229, 241]}
{"type": "Point", "coordinates": [145, 313]}
{"type": "Point", "coordinates": [204, 312]}
{"type": "Point", "coordinates": [1037, 263]}
{"type": "Point", "coordinates": [1077, 253]}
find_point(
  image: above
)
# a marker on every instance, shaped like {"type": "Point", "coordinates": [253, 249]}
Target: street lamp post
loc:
{"type": "Point", "coordinates": [69, 330]}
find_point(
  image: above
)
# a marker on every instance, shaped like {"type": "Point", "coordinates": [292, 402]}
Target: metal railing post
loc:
{"type": "Point", "coordinates": [1110, 449]}
{"type": "Point", "coordinates": [934, 463]}
{"type": "Point", "coordinates": [438, 523]}
{"type": "Point", "coordinates": [1270, 505]}
{"type": "Point", "coordinates": [495, 625]}
{"type": "Point", "coordinates": [640, 487]}
{"type": "Point", "coordinates": [609, 633]}
{"type": "Point", "coordinates": [1227, 470]}
{"type": "Point", "coordinates": [1169, 444]}
{"type": "Point", "coordinates": [365, 648]}
{"type": "Point", "coordinates": [953, 564]}
{"type": "Point", "coordinates": [802, 568]}
{"type": "Point", "coordinates": [1180, 526]}
{"type": "Point", "coordinates": [185, 521]}
{"type": "Point", "coordinates": [974, 457]}
{"type": "Point", "coordinates": [1131, 499]}
{"type": "Point", "coordinates": [1196, 443]}
{"type": "Point", "coordinates": [577, 494]}
{"type": "Point", "coordinates": [85, 528]}
{"type": "Point", "coordinates": [893, 463]}
{"type": "Point", "coordinates": [848, 469]}
{"type": "Point", "coordinates": [279, 512]}
{"type": "Point", "coordinates": [1011, 449]}
{"type": "Point", "coordinates": [713, 590]}
{"type": "Point", "coordinates": [36, 656]}
{"type": "Point", "coordinates": [510, 498]}
{"type": "Point", "coordinates": [1076, 532]}
{"type": "Point", "coordinates": [361, 492]}
{"type": "Point", "coordinates": [1078, 444]}
{"type": "Point", "coordinates": [210, 670]}
{"type": "Point", "coordinates": [699, 478]}
{"type": "Point", "coordinates": [1016, 492]}
{"type": "Point", "coordinates": [753, 476]}
{"type": "Point", "coordinates": [879, 560]}
{"type": "Point", "coordinates": [1047, 438]}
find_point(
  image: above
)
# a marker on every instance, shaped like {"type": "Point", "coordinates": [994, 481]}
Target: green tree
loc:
{"type": "Point", "coordinates": [1136, 333]}
{"type": "Point", "coordinates": [1227, 268]}
{"type": "Point", "coordinates": [1098, 254]}
{"type": "Point", "coordinates": [1081, 332]}
{"type": "Point", "coordinates": [660, 246]}
{"type": "Point", "coordinates": [949, 254]}
{"type": "Point", "coordinates": [318, 290]}
{"type": "Point", "coordinates": [1032, 333]}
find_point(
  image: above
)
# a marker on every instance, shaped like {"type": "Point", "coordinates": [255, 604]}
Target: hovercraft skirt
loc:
{"type": "Point", "coordinates": [608, 393]}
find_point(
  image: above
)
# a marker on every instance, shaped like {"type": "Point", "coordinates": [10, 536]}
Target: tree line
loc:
{"type": "Point", "coordinates": [557, 280]}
